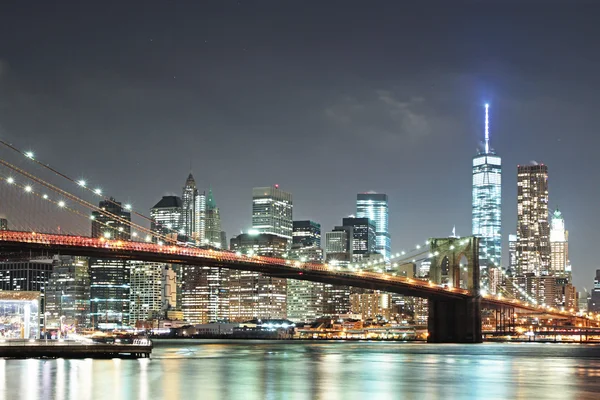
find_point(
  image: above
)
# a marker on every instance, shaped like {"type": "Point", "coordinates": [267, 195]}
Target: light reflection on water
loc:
{"type": "Point", "coordinates": [313, 370]}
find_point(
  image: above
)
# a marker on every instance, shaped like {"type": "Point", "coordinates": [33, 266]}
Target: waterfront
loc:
{"type": "Point", "coordinates": [306, 370]}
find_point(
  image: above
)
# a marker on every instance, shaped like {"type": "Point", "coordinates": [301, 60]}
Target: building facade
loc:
{"type": "Point", "coordinates": [512, 253]}
{"type": "Point", "coordinates": [205, 294]}
{"type": "Point", "coordinates": [374, 206]}
{"type": "Point", "coordinates": [3, 224]}
{"type": "Point", "coordinates": [112, 221]}
{"type": "Point", "coordinates": [487, 205]}
{"type": "Point", "coordinates": [30, 275]}
{"type": "Point", "coordinates": [272, 212]}
{"type": "Point", "coordinates": [68, 292]}
{"type": "Point", "coordinates": [212, 235]}
{"type": "Point", "coordinates": [167, 217]}
{"type": "Point", "coordinates": [364, 237]}
{"type": "Point", "coordinates": [254, 295]}
{"type": "Point", "coordinates": [305, 299]}
{"type": "Point", "coordinates": [533, 231]}
{"type": "Point", "coordinates": [151, 291]}
{"type": "Point", "coordinates": [559, 247]}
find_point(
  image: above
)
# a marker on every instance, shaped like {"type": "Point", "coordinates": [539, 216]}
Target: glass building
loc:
{"type": "Point", "coordinates": [559, 246]}
{"type": "Point", "coordinates": [305, 299]}
{"type": "Point", "coordinates": [533, 230]}
{"type": "Point", "coordinates": [375, 207]}
{"type": "Point", "coordinates": [272, 212]}
{"type": "Point", "coordinates": [68, 293]}
{"type": "Point", "coordinates": [212, 235]}
{"type": "Point", "coordinates": [487, 205]}
{"type": "Point", "coordinates": [364, 237]}
{"type": "Point", "coordinates": [112, 221]}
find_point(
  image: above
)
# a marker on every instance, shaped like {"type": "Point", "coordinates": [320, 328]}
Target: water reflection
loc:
{"type": "Point", "coordinates": [304, 370]}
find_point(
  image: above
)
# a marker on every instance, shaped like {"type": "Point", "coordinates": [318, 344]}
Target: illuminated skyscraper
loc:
{"type": "Point", "coordinates": [512, 253]}
{"type": "Point", "coordinates": [112, 222]}
{"type": "Point", "coordinates": [272, 212]}
{"type": "Point", "coordinates": [305, 299]}
{"type": "Point", "coordinates": [559, 246]}
{"type": "Point", "coordinates": [364, 237]}
{"type": "Point", "coordinates": [109, 278]}
{"type": "Point", "coordinates": [487, 204]}
{"type": "Point", "coordinates": [252, 294]}
{"type": "Point", "coordinates": [533, 231]}
{"type": "Point", "coordinates": [166, 217]}
{"type": "Point", "coordinates": [193, 211]}
{"type": "Point", "coordinates": [3, 224]}
{"type": "Point", "coordinates": [212, 233]}
{"type": "Point", "coordinates": [375, 207]}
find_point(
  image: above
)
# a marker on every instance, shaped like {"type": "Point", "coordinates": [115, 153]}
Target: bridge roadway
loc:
{"type": "Point", "coordinates": [455, 314]}
{"type": "Point", "coordinates": [272, 266]}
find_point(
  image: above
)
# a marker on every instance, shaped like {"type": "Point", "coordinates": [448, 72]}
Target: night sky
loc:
{"type": "Point", "coordinates": [326, 99]}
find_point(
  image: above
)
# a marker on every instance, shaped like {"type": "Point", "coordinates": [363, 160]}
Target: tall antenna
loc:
{"type": "Point", "coordinates": [487, 130]}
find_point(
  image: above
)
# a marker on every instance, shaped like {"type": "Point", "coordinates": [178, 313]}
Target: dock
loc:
{"type": "Point", "coordinates": [19, 348]}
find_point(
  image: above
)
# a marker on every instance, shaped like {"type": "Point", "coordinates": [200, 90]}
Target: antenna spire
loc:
{"type": "Point", "coordinates": [487, 130]}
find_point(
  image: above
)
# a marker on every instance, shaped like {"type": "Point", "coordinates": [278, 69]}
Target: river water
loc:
{"type": "Point", "coordinates": [183, 369]}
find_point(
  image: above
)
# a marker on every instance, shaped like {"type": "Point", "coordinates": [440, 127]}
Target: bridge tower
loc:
{"type": "Point", "coordinates": [455, 320]}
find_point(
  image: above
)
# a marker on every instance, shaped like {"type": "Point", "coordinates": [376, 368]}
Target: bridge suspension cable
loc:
{"type": "Point", "coordinates": [80, 201]}
{"type": "Point", "coordinates": [83, 185]}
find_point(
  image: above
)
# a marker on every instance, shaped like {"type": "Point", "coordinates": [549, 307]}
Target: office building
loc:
{"type": "Point", "coordinates": [559, 246]}
{"type": "Point", "coordinates": [166, 217]}
{"type": "Point", "coordinates": [111, 221]}
{"type": "Point", "coordinates": [109, 293]}
{"type": "Point", "coordinates": [306, 234]}
{"type": "Point", "coordinates": [254, 295]}
{"type": "Point", "coordinates": [68, 293]}
{"type": "Point", "coordinates": [212, 234]}
{"type": "Point", "coordinates": [205, 294]}
{"type": "Point", "coordinates": [149, 282]}
{"type": "Point", "coordinates": [374, 206]}
{"type": "Point", "coordinates": [533, 231]}
{"type": "Point", "coordinates": [339, 245]}
{"type": "Point", "coordinates": [272, 212]}
{"type": "Point", "coordinates": [487, 205]}
{"type": "Point", "coordinates": [371, 306]}
{"type": "Point", "coordinates": [30, 275]}
{"type": "Point", "coordinates": [594, 295]}
{"type": "Point", "coordinates": [3, 224]}
{"type": "Point", "coordinates": [512, 253]}
{"type": "Point", "coordinates": [364, 237]}
{"type": "Point", "coordinates": [188, 209]}
{"type": "Point", "coordinates": [109, 279]}
{"type": "Point", "coordinates": [305, 299]}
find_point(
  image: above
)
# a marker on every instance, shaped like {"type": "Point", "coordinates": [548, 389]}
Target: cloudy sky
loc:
{"type": "Point", "coordinates": [326, 99]}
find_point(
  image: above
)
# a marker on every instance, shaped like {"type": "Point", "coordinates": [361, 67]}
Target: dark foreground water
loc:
{"type": "Point", "coordinates": [316, 370]}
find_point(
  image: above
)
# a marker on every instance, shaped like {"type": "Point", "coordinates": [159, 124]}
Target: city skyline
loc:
{"type": "Point", "coordinates": [418, 125]}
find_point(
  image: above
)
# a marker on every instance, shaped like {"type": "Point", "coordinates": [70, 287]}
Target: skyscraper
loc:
{"type": "Point", "coordinates": [167, 217]}
{"type": "Point", "coordinates": [193, 210]}
{"type": "Point", "coordinates": [68, 292]}
{"type": "Point", "coordinates": [305, 299]}
{"type": "Point", "coordinates": [150, 289]}
{"type": "Point", "coordinates": [109, 279]}
{"type": "Point", "coordinates": [3, 224]}
{"type": "Point", "coordinates": [272, 212]}
{"type": "Point", "coordinates": [559, 246]}
{"type": "Point", "coordinates": [364, 237]}
{"type": "Point", "coordinates": [112, 221]}
{"type": "Point", "coordinates": [375, 207]}
{"type": "Point", "coordinates": [533, 232]}
{"type": "Point", "coordinates": [212, 235]}
{"type": "Point", "coordinates": [512, 253]}
{"type": "Point", "coordinates": [338, 245]}
{"type": "Point", "coordinates": [487, 204]}
{"type": "Point", "coordinates": [252, 294]}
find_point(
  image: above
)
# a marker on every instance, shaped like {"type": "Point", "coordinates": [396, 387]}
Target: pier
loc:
{"type": "Point", "coordinates": [20, 348]}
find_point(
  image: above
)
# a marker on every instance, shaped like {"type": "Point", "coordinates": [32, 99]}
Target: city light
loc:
{"type": "Point", "coordinates": [81, 183]}
{"type": "Point", "coordinates": [29, 154]}
{"type": "Point", "coordinates": [10, 180]}
{"type": "Point", "coordinates": [128, 207]}
{"type": "Point", "coordinates": [28, 188]}
{"type": "Point", "coordinates": [98, 191]}
{"type": "Point", "coordinates": [61, 204]}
